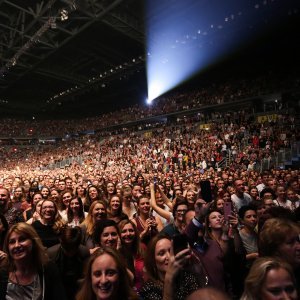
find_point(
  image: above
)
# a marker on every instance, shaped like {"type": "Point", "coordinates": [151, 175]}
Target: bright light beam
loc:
{"type": "Point", "coordinates": [186, 36]}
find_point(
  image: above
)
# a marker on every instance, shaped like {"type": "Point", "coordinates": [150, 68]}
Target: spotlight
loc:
{"type": "Point", "coordinates": [149, 101]}
{"type": "Point", "coordinates": [64, 15]}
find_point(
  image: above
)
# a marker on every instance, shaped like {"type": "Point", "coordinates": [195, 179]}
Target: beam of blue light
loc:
{"type": "Point", "coordinates": [186, 36]}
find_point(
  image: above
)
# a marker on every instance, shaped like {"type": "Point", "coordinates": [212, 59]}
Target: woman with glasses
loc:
{"type": "Point", "coordinates": [49, 226]}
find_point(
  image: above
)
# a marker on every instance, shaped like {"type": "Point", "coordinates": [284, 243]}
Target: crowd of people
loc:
{"type": "Point", "coordinates": [152, 235]}
{"type": "Point", "coordinates": [209, 94]}
{"type": "Point", "coordinates": [152, 213]}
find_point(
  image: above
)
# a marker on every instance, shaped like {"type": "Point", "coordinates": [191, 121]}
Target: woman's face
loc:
{"type": "Point", "coordinates": [115, 203]}
{"type": "Point", "coordinates": [66, 198]}
{"type": "Point", "coordinates": [19, 246]}
{"type": "Point", "coordinates": [278, 285]}
{"type": "Point", "coordinates": [80, 190]}
{"type": "Point", "coordinates": [99, 212]}
{"type": "Point", "coordinates": [36, 198]}
{"type": "Point", "coordinates": [110, 188]}
{"type": "Point", "coordinates": [162, 255]}
{"type": "Point", "coordinates": [45, 193]}
{"type": "Point", "coordinates": [127, 234]}
{"type": "Point", "coordinates": [105, 277]}
{"type": "Point", "coordinates": [119, 192]}
{"type": "Point", "coordinates": [74, 205]}
{"type": "Point", "coordinates": [38, 207]}
{"type": "Point", "coordinates": [144, 205]}
{"type": "Point", "coordinates": [215, 220]}
{"type": "Point", "coordinates": [109, 237]}
{"type": "Point", "coordinates": [190, 197]}
{"type": "Point", "coordinates": [18, 192]}
{"type": "Point", "coordinates": [253, 193]}
{"type": "Point", "coordinates": [220, 204]}
{"type": "Point", "coordinates": [93, 193]}
{"type": "Point", "coordinates": [280, 192]}
{"type": "Point", "coordinates": [54, 195]}
{"type": "Point", "coordinates": [226, 197]}
{"type": "Point", "coordinates": [290, 249]}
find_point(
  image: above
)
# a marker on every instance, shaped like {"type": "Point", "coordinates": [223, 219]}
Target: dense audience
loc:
{"type": "Point", "coordinates": [168, 213]}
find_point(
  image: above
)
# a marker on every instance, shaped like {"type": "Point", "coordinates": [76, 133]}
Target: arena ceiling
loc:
{"type": "Point", "coordinates": [63, 57]}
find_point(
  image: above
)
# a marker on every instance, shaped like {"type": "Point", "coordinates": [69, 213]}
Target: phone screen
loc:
{"type": "Point", "coordinates": [206, 191]}
{"type": "Point", "coordinates": [227, 209]}
{"type": "Point", "coordinates": [180, 242]}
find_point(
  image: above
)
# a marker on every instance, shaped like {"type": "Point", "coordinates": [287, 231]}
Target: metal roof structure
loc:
{"type": "Point", "coordinates": [63, 57]}
{"type": "Point", "coordinates": [50, 47]}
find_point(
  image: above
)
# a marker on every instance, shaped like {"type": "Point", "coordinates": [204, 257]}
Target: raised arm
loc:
{"type": "Point", "coordinates": [162, 212]}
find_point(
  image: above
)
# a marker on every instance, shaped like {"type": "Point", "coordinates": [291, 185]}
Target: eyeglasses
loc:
{"type": "Point", "coordinates": [181, 211]}
{"type": "Point", "coordinates": [48, 207]}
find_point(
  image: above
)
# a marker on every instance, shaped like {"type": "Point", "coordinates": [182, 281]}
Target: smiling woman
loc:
{"type": "Point", "coordinates": [28, 273]}
{"type": "Point", "coordinates": [106, 278]}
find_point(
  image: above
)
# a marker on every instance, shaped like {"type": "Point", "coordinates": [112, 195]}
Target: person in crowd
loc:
{"type": "Point", "coordinates": [92, 194]}
{"type": "Point", "coordinates": [3, 231]}
{"type": "Point", "coordinates": [253, 192]}
{"type": "Point", "coordinates": [147, 225]}
{"type": "Point", "coordinates": [114, 210]}
{"type": "Point", "coordinates": [248, 220]}
{"type": "Point", "coordinates": [55, 196]}
{"type": "Point", "coordinates": [106, 277]}
{"type": "Point", "coordinates": [106, 234]}
{"type": "Point", "coordinates": [216, 247]}
{"type": "Point", "coordinates": [45, 191]}
{"type": "Point", "coordinates": [30, 194]}
{"type": "Point", "coordinates": [270, 279]}
{"type": "Point", "coordinates": [19, 199]}
{"type": "Point", "coordinates": [28, 273]}
{"type": "Point", "coordinates": [49, 226]}
{"type": "Point", "coordinates": [293, 197]}
{"type": "Point", "coordinates": [110, 190]}
{"type": "Point", "coordinates": [160, 204]}
{"type": "Point", "coordinates": [178, 226]}
{"type": "Point", "coordinates": [167, 279]}
{"type": "Point", "coordinates": [36, 213]}
{"type": "Point", "coordinates": [80, 192]}
{"type": "Point", "coordinates": [11, 214]}
{"type": "Point", "coordinates": [240, 198]}
{"type": "Point", "coordinates": [281, 199]}
{"type": "Point", "coordinates": [280, 238]}
{"type": "Point", "coordinates": [131, 246]}
{"type": "Point", "coordinates": [136, 192]}
{"type": "Point", "coordinates": [70, 257]}
{"type": "Point", "coordinates": [66, 196]}
{"type": "Point", "coordinates": [75, 212]}
{"type": "Point", "coordinates": [128, 205]}
{"type": "Point", "coordinates": [28, 213]}
{"type": "Point", "coordinates": [97, 212]}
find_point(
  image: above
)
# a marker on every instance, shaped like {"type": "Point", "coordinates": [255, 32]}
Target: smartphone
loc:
{"type": "Point", "coordinates": [180, 242]}
{"type": "Point", "coordinates": [227, 210]}
{"type": "Point", "coordinates": [206, 190]}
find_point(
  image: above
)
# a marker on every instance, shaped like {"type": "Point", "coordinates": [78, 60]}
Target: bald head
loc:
{"type": "Point", "coordinates": [207, 294]}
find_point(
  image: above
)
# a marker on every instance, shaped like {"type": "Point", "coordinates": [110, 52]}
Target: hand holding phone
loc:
{"type": "Point", "coordinates": [180, 242]}
{"type": "Point", "coordinates": [227, 210]}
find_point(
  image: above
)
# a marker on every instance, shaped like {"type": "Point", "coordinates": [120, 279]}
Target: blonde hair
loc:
{"type": "Point", "coordinates": [58, 221]}
{"type": "Point", "coordinates": [274, 233]}
{"type": "Point", "coordinates": [89, 220]}
{"type": "Point", "coordinates": [257, 275]}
